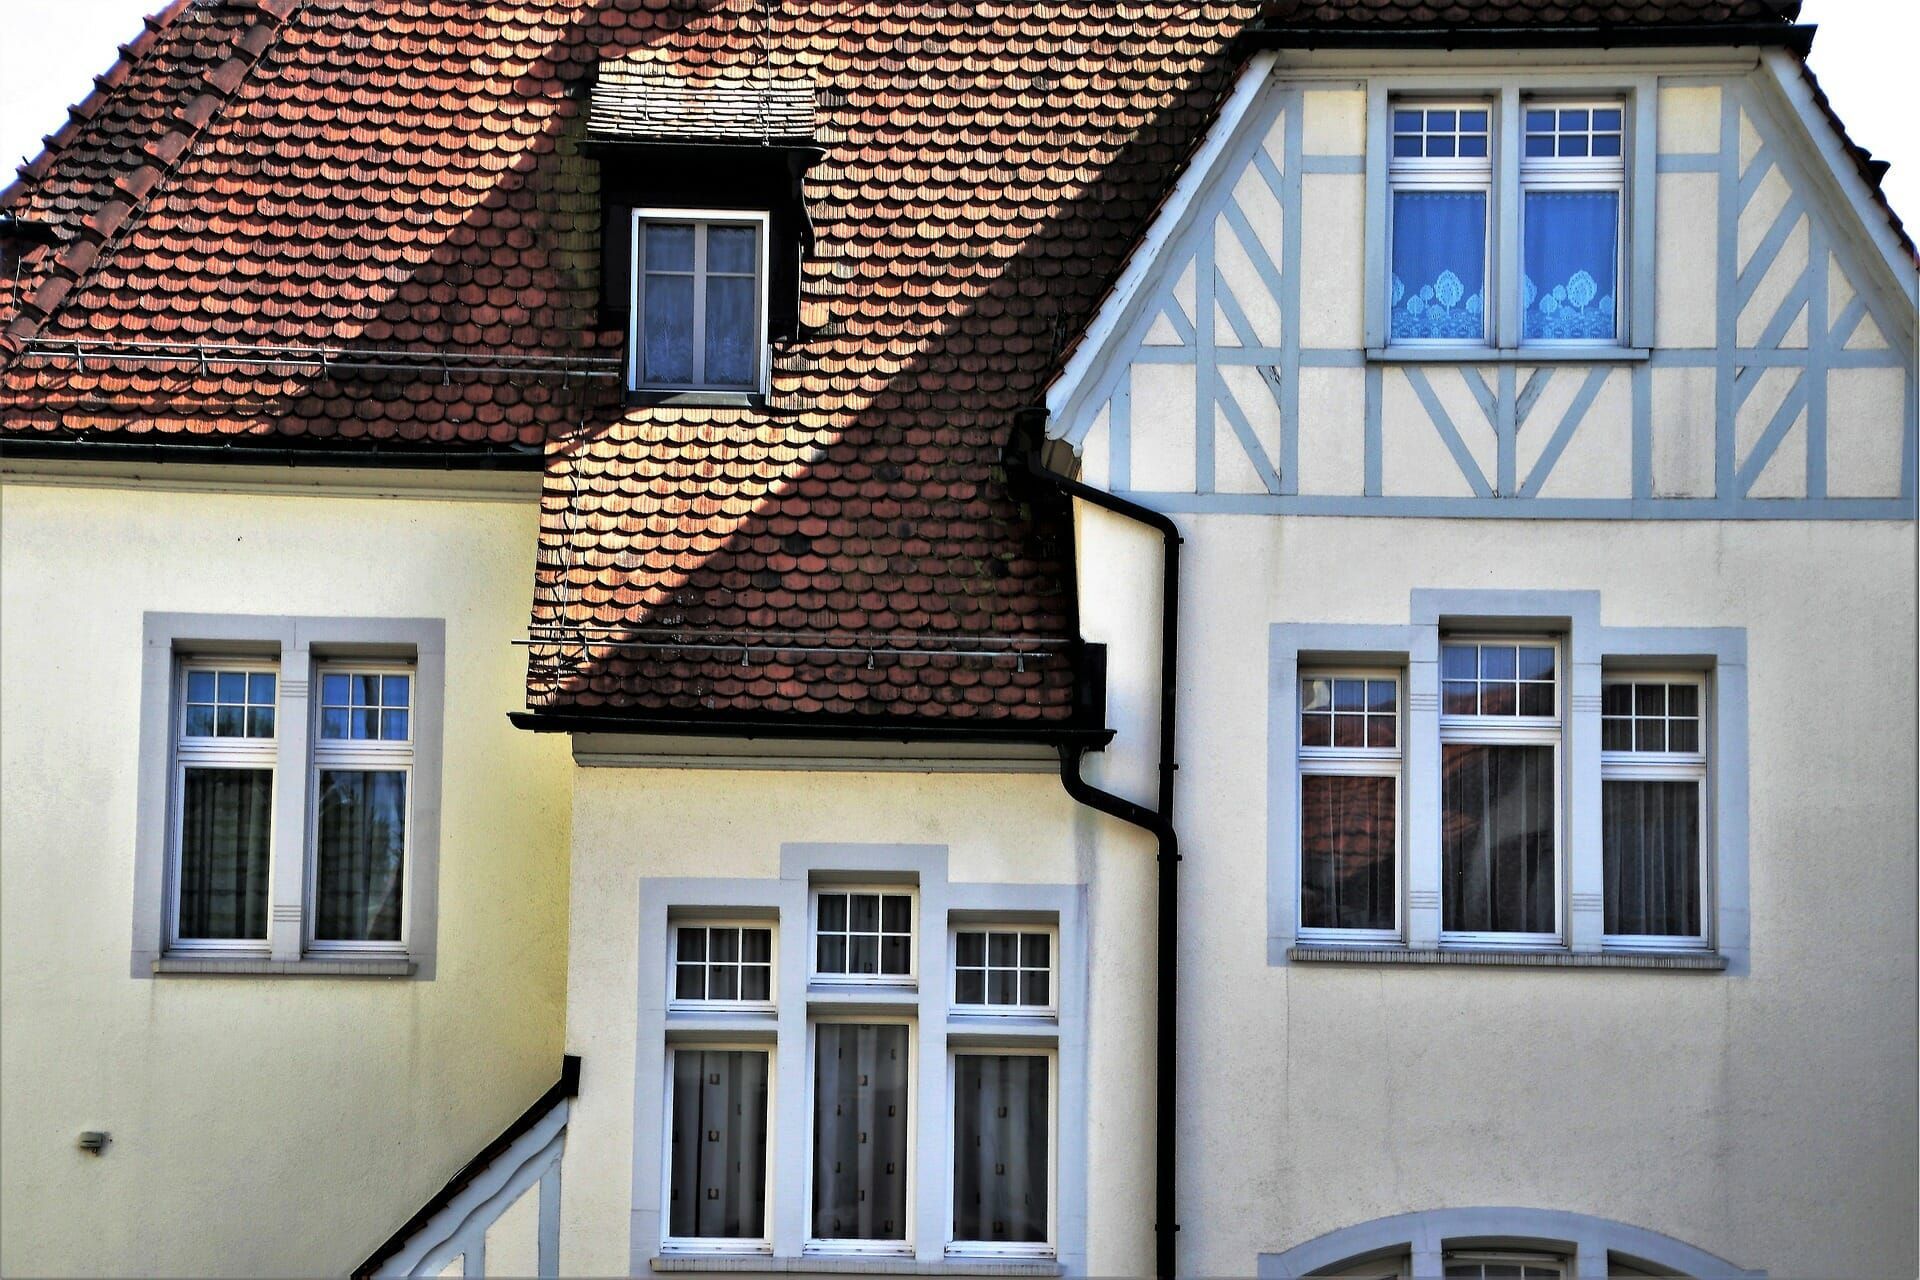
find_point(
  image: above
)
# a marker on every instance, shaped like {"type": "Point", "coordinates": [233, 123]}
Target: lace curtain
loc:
{"type": "Point", "coordinates": [1572, 243]}
{"type": "Point", "coordinates": [1439, 264]}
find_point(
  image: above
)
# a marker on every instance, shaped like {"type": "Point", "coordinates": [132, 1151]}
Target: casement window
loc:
{"type": "Point", "coordinates": [1653, 795]}
{"type": "Point", "coordinates": [1003, 970]}
{"type": "Point", "coordinates": [1500, 792]}
{"type": "Point", "coordinates": [362, 769]}
{"type": "Point", "coordinates": [717, 965]}
{"type": "Point", "coordinates": [224, 757]}
{"type": "Point", "coordinates": [864, 935]}
{"type": "Point", "coordinates": [1004, 1119]}
{"type": "Point", "coordinates": [718, 1180]}
{"type": "Point", "coordinates": [1451, 263]}
{"type": "Point", "coordinates": [1350, 806]}
{"type": "Point", "coordinates": [862, 1162]}
{"type": "Point", "coordinates": [699, 310]}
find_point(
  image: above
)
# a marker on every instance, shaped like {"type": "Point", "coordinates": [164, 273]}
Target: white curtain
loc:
{"type": "Point", "coordinates": [719, 1185]}
{"type": "Point", "coordinates": [860, 1132]}
{"type": "Point", "coordinates": [1000, 1148]}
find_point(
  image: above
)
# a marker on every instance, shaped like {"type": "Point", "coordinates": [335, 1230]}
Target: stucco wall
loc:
{"type": "Point", "coordinates": [260, 1125]}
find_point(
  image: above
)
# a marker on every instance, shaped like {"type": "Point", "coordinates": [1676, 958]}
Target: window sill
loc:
{"type": "Point", "coordinates": [1508, 355]}
{"type": "Point", "coordinates": [1696, 961]}
{"type": "Point", "coordinates": [855, 1264]}
{"type": "Point", "coordinates": [644, 398]}
{"type": "Point", "coordinates": [219, 966]}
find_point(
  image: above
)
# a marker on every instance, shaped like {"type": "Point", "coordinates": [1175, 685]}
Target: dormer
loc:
{"type": "Point", "coordinates": [702, 224]}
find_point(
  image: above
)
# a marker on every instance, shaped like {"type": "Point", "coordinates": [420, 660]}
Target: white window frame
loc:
{"type": "Point", "coordinates": [216, 753]}
{"type": "Point", "coordinates": [1048, 1248]}
{"type": "Point", "coordinates": [719, 1244]}
{"type": "Point", "coordinates": [1438, 174]}
{"type": "Point", "coordinates": [1052, 933]}
{"type": "Point", "coordinates": [1506, 1257]}
{"type": "Point", "coordinates": [701, 220]}
{"type": "Point", "coordinates": [1369, 762]}
{"type": "Point", "coordinates": [688, 1004]}
{"type": "Point", "coordinates": [371, 755]}
{"type": "Point", "coordinates": [909, 979]}
{"type": "Point", "coordinates": [909, 1018]}
{"type": "Point", "coordinates": [1668, 766]}
{"type": "Point", "coordinates": [1575, 174]}
{"type": "Point", "coordinates": [1514, 730]}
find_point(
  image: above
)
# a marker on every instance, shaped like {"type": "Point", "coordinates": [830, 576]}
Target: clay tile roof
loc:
{"type": "Point", "coordinates": [374, 225]}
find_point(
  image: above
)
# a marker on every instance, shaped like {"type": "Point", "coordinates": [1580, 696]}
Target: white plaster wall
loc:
{"type": "Point", "coordinates": [513, 1241]}
{"type": "Point", "coordinates": [261, 1126]}
{"type": "Point", "coordinates": [634, 823]}
{"type": "Point", "coordinates": [1768, 1118]}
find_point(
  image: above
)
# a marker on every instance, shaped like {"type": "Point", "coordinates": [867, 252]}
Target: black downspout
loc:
{"type": "Point", "coordinates": [1158, 820]}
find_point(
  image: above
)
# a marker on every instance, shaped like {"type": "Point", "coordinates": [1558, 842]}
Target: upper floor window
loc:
{"type": "Point", "coordinates": [699, 300]}
{"type": "Point", "coordinates": [722, 963]}
{"type": "Point", "coordinates": [224, 760]}
{"type": "Point", "coordinates": [1653, 809]}
{"type": "Point", "coordinates": [1350, 806]}
{"type": "Point", "coordinates": [863, 935]}
{"type": "Point", "coordinates": [1572, 175]}
{"type": "Point", "coordinates": [1003, 970]}
{"type": "Point", "coordinates": [1442, 173]}
{"type": "Point", "coordinates": [362, 774]}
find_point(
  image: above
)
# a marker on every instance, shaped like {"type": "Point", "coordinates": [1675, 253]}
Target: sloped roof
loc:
{"type": "Point", "coordinates": [632, 104]}
{"type": "Point", "coordinates": [371, 224]}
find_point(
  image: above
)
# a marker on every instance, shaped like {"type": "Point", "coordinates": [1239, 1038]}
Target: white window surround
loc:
{"type": "Point", "coordinates": [294, 646]}
{"type": "Point", "coordinates": [1635, 92]}
{"type": "Point", "coordinates": [761, 221]}
{"type": "Point", "coordinates": [1716, 655]}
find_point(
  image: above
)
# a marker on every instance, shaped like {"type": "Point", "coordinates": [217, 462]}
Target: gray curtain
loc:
{"type": "Point", "coordinates": [226, 826]}
{"type": "Point", "coordinates": [719, 1178]}
{"type": "Point", "coordinates": [1496, 838]}
{"type": "Point", "coordinates": [1000, 1148]}
{"type": "Point", "coordinates": [1346, 852]}
{"type": "Point", "coordinates": [860, 1132]}
{"type": "Point", "coordinates": [1651, 851]}
{"type": "Point", "coordinates": [362, 855]}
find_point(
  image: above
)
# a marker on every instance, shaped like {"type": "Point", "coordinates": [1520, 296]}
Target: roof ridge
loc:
{"type": "Point", "coordinates": [99, 230]}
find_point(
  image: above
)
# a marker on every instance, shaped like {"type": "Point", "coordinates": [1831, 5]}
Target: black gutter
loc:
{"type": "Point", "coordinates": [1158, 821]}
{"type": "Point", "coordinates": [1797, 37]}
{"type": "Point", "coordinates": [567, 1086]}
{"type": "Point", "coordinates": [816, 728]}
{"type": "Point", "coordinates": [452, 458]}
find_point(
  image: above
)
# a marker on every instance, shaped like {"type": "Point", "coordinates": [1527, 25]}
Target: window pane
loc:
{"type": "Point", "coordinates": [226, 820]}
{"type": "Point", "coordinates": [756, 982]}
{"type": "Point", "coordinates": [896, 914]}
{"type": "Point", "coordinates": [1349, 731]}
{"type": "Point", "coordinates": [833, 912]}
{"type": "Point", "coordinates": [970, 948]}
{"type": "Point", "coordinates": [860, 1132]}
{"type": "Point", "coordinates": [690, 982]}
{"type": "Point", "coordinates": [832, 955]}
{"type": "Point", "coordinates": [718, 1187]}
{"type": "Point", "coordinates": [1572, 243]}
{"type": "Point", "coordinates": [863, 915]}
{"type": "Point", "coordinates": [333, 689]}
{"type": "Point", "coordinates": [731, 332]}
{"type": "Point", "coordinates": [259, 722]}
{"type": "Point", "coordinates": [366, 724]}
{"type": "Point", "coordinates": [1003, 986]}
{"type": "Point", "coordinates": [1033, 950]}
{"type": "Point", "coordinates": [1536, 699]}
{"type": "Point", "coordinates": [1536, 663]}
{"type": "Point", "coordinates": [199, 722]}
{"type": "Point", "coordinates": [723, 945]}
{"type": "Point", "coordinates": [1460, 698]}
{"type": "Point", "coordinates": [896, 958]}
{"type": "Point", "coordinates": [1458, 662]}
{"type": "Point", "coordinates": [1346, 852]}
{"type": "Point", "coordinates": [233, 686]}
{"type": "Point", "coordinates": [1651, 854]}
{"type": "Point", "coordinates": [229, 722]}
{"type": "Point", "coordinates": [1034, 987]}
{"type": "Point", "coordinates": [360, 855]}
{"type": "Point", "coordinates": [1439, 264]}
{"type": "Point", "coordinates": [756, 946]}
{"type": "Point", "coordinates": [693, 943]}
{"type": "Point", "coordinates": [667, 325]}
{"type": "Point", "coordinates": [669, 246]}
{"type": "Point", "coordinates": [723, 982]}
{"type": "Point", "coordinates": [1497, 838]}
{"type": "Point", "coordinates": [393, 690]}
{"type": "Point", "coordinates": [260, 688]}
{"type": "Point", "coordinates": [333, 723]}
{"type": "Point", "coordinates": [731, 249]}
{"type": "Point", "coordinates": [200, 686]}
{"type": "Point", "coordinates": [1000, 1148]}
{"type": "Point", "coordinates": [971, 987]}
{"type": "Point", "coordinates": [1316, 731]}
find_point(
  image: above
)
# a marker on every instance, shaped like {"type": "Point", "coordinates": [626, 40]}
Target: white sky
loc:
{"type": "Point", "coordinates": [1864, 56]}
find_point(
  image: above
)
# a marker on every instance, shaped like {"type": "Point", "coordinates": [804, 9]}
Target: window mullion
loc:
{"type": "Point", "coordinates": [1504, 268]}
{"type": "Point", "coordinates": [699, 304]}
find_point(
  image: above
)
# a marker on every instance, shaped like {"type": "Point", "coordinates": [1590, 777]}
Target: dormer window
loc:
{"type": "Point", "coordinates": [699, 310]}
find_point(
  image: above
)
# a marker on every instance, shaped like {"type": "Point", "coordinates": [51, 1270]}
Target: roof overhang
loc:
{"type": "Point", "coordinates": [1797, 37]}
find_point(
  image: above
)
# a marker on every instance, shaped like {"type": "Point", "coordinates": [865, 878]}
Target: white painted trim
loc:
{"type": "Point", "coordinates": [420, 485]}
{"type": "Point", "coordinates": [701, 219]}
{"type": "Point", "coordinates": [1068, 383]}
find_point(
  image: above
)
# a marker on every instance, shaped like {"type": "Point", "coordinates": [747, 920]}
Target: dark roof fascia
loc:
{"type": "Point", "coordinates": [813, 728]}
{"type": "Point", "coordinates": [20, 230]}
{"type": "Point", "coordinates": [462, 458]}
{"type": "Point", "coordinates": [1795, 36]}
{"type": "Point", "coordinates": [567, 1086]}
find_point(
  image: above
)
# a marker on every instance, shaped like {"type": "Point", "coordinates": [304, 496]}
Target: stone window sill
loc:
{"type": "Point", "coordinates": [1695, 961]}
{"type": "Point", "coordinates": [224, 966]}
{"type": "Point", "coordinates": [1508, 355]}
{"type": "Point", "coordinates": [851, 1264]}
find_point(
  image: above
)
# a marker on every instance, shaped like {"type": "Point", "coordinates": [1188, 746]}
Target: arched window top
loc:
{"type": "Point", "coordinates": [1419, 1245]}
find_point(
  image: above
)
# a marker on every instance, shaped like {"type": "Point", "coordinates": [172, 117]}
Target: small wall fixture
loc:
{"type": "Point", "coordinates": [94, 1142]}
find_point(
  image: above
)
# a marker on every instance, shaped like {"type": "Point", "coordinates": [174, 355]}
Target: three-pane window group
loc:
{"type": "Point", "coordinates": [226, 758]}
{"type": "Point", "coordinates": [862, 1074]}
{"type": "Point", "coordinates": [1502, 775]}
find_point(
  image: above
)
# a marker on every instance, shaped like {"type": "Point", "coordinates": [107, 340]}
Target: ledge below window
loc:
{"type": "Point", "coordinates": [1508, 355]}
{"type": "Point", "coordinates": [222, 966]}
{"type": "Point", "coordinates": [1697, 961]}
{"type": "Point", "coordinates": [855, 1265]}
{"type": "Point", "coordinates": [646, 397]}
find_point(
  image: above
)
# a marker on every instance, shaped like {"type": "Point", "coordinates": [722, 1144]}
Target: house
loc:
{"type": "Point", "coordinates": [962, 639]}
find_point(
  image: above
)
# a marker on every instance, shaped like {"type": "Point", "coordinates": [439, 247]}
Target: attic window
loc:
{"type": "Point", "coordinates": [699, 309]}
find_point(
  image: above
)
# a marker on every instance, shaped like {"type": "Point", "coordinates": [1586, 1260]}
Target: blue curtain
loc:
{"type": "Point", "coordinates": [1439, 264]}
{"type": "Point", "coordinates": [1571, 251]}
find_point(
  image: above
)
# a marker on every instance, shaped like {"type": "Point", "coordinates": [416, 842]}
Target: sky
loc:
{"type": "Point", "coordinates": [1864, 56]}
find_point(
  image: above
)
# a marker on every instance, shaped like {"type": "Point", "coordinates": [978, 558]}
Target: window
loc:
{"type": "Point", "coordinates": [723, 964]}
{"type": "Point", "coordinates": [362, 762]}
{"type": "Point", "coordinates": [717, 1147]}
{"type": "Point", "coordinates": [699, 303]}
{"type": "Point", "coordinates": [861, 1137]}
{"type": "Point", "coordinates": [225, 754]}
{"type": "Point", "coordinates": [1572, 176]}
{"type": "Point", "coordinates": [1003, 1122]}
{"type": "Point", "coordinates": [863, 935]}
{"type": "Point", "coordinates": [1003, 970]}
{"type": "Point", "coordinates": [1441, 171]}
{"type": "Point", "coordinates": [1504, 1266]}
{"type": "Point", "coordinates": [1653, 768]}
{"type": "Point", "coordinates": [1349, 806]}
{"type": "Point", "coordinates": [1500, 792]}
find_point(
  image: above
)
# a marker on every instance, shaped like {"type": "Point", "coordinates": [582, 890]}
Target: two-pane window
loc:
{"type": "Point", "coordinates": [362, 762]}
{"type": "Point", "coordinates": [1653, 798]}
{"type": "Point", "coordinates": [1350, 805]}
{"type": "Point", "coordinates": [699, 304]}
{"type": "Point", "coordinates": [224, 754]}
{"type": "Point", "coordinates": [1444, 170]}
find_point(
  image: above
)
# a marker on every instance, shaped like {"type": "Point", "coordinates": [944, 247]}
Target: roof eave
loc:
{"type": "Point", "coordinates": [1795, 36]}
{"type": "Point", "coordinates": [816, 728]}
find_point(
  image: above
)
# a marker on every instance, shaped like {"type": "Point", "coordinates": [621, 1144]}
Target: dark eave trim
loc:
{"type": "Point", "coordinates": [567, 1086]}
{"type": "Point", "coordinates": [1795, 36]}
{"type": "Point", "coordinates": [412, 457]}
{"type": "Point", "coordinates": [813, 728]}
